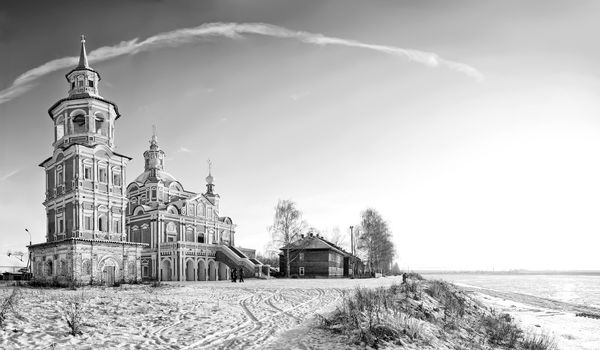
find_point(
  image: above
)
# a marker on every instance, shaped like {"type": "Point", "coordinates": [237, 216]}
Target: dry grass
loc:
{"type": "Point", "coordinates": [74, 314]}
{"type": "Point", "coordinates": [427, 312]}
{"type": "Point", "coordinates": [539, 341]}
{"type": "Point", "coordinates": [9, 305]}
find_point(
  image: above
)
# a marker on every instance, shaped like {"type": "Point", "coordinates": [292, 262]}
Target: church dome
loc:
{"type": "Point", "coordinates": [160, 176]}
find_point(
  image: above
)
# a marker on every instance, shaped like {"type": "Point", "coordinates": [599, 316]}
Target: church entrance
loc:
{"type": "Point", "coordinates": [189, 270]}
{"type": "Point", "coordinates": [165, 271]}
{"type": "Point", "coordinates": [110, 275]}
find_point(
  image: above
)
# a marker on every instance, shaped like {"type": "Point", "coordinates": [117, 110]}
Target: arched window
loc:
{"type": "Point", "coordinates": [86, 268]}
{"type": "Point", "coordinates": [145, 234]}
{"type": "Point", "coordinates": [79, 122]}
{"type": "Point", "coordinates": [135, 234]}
{"type": "Point", "coordinates": [138, 211]}
{"type": "Point", "coordinates": [102, 223]}
{"type": "Point", "coordinates": [200, 209]}
{"type": "Point", "coordinates": [49, 268]}
{"type": "Point", "coordinates": [189, 234]}
{"type": "Point", "coordinates": [60, 128]}
{"type": "Point", "coordinates": [101, 124]}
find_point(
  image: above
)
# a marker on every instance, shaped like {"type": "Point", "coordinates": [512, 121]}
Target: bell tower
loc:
{"type": "Point", "coordinates": [85, 177]}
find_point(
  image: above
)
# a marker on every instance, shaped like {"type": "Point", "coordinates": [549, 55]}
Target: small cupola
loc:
{"type": "Point", "coordinates": [154, 157]}
{"type": "Point", "coordinates": [83, 80]}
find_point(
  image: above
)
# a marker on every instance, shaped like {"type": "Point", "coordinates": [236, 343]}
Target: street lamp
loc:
{"type": "Point", "coordinates": [29, 249]}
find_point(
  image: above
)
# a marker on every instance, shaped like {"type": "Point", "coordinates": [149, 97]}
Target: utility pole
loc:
{"type": "Point", "coordinates": [29, 249]}
{"type": "Point", "coordinates": [352, 249]}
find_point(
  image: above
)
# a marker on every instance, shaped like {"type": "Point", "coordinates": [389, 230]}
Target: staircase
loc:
{"type": "Point", "coordinates": [234, 258]}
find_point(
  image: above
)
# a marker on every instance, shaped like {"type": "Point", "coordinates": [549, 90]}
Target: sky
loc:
{"type": "Point", "coordinates": [472, 127]}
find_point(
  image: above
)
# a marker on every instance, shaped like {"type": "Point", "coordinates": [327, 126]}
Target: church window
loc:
{"type": "Point", "coordinates": [117, 226]}
{"type": "Point", "coordinates": [301, 257]}
{"type": "Point", "coordinates": [72, 85]}
{"type": "Point", "coordinates": [79, 123]}
{"type": "Point", "coordinates": [201, 238]}
{"type": "Point", "coordinates": [301, 271]}
{"type": "Point", "coordinates": [63, 268]}
{"type": "Point", "coordinates": [87, 172]}
{"type": "Point", "coordinates": [86, 268]}
{"type": "Point", "coordinates": [101, 125]}
{"type": "Point", "coordinates": [49, 268]}
{"type": "Point", "coordinates": [79, 81]}
{"type": "Point", "coordinates": [102, 175]}
{"type": "Point", "coordinates": [91, 83]}
{"type": "Point", "coordinates": [131, 269]}
{"type": "Point", "coordinates": [59, 177]}
{"type": "Point", "coordinates": [102, 223]}
{"type": "Point", "coordinates": [60, 131]}
{"type": "Point", "coordinates": [116, 179]}
{"type": "Point", "coordinates": [145, 234]}
{"type": "Point", "coordinates": [87, 222]}
{"type": "Point", "coordinates": [61, 225]}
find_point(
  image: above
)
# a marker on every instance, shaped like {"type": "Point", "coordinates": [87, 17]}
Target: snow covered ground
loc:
{"type": "Point", "coordinates": [552, 317]}
{"type": "Point", "coordinates": [258, 314]}
{"type": "Point", "coordinates": [195, 315]}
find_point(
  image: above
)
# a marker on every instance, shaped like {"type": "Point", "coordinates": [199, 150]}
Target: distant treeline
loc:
{"type": "Point", "coordinates": [511, 272]}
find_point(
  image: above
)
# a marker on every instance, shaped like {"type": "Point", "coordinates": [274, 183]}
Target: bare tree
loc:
{"type": "Point", "coordinates": [287, 228]}
{"type": "Point", "coordinates": [336, 237]}
{"type": "Point", "coordinates": [375, 240]}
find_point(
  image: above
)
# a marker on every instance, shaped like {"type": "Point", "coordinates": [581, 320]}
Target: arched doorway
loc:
{"type": "Point", "coordinates": [223, 272]}
{"type": "Point", "coordinates": [110, 271]}
{"type": "Point", "coordinates": [201, 270]}
{"type": "Point", "coordinates": [165, 270]}
{"type": "Point", "coordinates": [212, 271]}
{"type": "Point", "coordinates": [189, 270]}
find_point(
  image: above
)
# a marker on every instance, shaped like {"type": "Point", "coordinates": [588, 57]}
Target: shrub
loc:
{"type": "Point", "coordinates": [74, 314]}
{"type": "Point", "coordinates": [414, 276]}
{"type": "Point", "coordinates": [501, 330]}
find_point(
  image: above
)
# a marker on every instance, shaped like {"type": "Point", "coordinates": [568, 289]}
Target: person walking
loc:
{"type": "Point", "coordinates": [241, 274]}
{"type": "Point", "coordinates": [233, 275]}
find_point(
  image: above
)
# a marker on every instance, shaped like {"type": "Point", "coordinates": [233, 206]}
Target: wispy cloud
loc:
{"type": "Point", "coordinates": [27, 80]}
{"type": "Point", "coordinates": [299, 95]}
{"type": "Point", "coordinates": [7, 175]}
{"type": "Point", "coordinates": [185, 150]}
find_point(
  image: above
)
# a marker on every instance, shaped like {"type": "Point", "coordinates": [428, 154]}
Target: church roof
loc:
{"type": "Point", "coordinates": [160, 176]}
{"type": "Point", "coordinates": [80, 96]}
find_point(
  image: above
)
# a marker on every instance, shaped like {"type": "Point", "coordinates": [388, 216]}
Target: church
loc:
{"type": "Point", "coordinates": [100, 231]}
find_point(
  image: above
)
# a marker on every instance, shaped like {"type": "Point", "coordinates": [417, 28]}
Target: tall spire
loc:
{"type": "Point", "coordinates": [209, 180]}
{"type": "Point", "coordinates": [83, 61]}
{"type": "Point", "coordinates": [154, 139]}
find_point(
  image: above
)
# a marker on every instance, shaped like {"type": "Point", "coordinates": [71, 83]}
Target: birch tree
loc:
{"type": "Point", "coordinates": [287, 228]}
{"type": "Point", "coordinates": [375, 240]}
